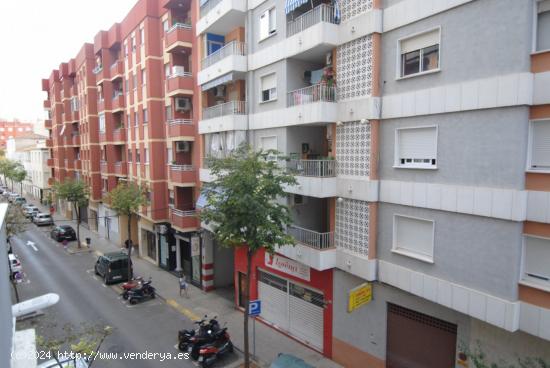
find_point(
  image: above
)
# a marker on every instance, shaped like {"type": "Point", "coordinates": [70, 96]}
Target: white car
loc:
{"type": "Point", "coordinates": [15, 264]}
{"type": "Point", "coordinates": [42, 219]}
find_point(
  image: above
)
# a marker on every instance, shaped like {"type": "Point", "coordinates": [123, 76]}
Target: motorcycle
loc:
{"type": "Point", "coordinates": [130, 285]}
{"type": "Point", "coordinates": [146, 291]}
{"type": "Point", "coordinates": [209, 353]}
{"type": "Point", "coordinates": [184, 336]}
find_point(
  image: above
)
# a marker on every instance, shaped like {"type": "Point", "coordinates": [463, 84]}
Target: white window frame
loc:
{"type": "Point", "coordinates": [421, 166]}
{"type": "Point", "coordinates": [409, 253]}
{"type": "Point", "coordinates": [529, 167]}
{"type": "Point", "coordinates": [398, 64]}
{"type": "Point", "coordinates": [271, 98]}
{"type": "Point", "coordinates": [529, 280]}
{"type": "Point", "coordinates": [271, 28]}
{"type": "Point", "coordinates": [146, 156]}
{"type": "Point", "coordinates": [535, 29]}
{"type": "Point", "coordinates": [101, 118]}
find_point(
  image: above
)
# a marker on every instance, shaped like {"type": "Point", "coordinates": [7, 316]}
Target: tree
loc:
{"type": "Point", "coordinates": [126, 200]}
{"type": "Point", "coordinates": [75, 192]}
{"type": "Point", "coordinates": [242, 205]}
{"type": "Point", "coordinates": [15, 224]}
{"type": "Point", "coordinates": [18, 175]}
{"type": "Point", "coordinates": [8, 168]}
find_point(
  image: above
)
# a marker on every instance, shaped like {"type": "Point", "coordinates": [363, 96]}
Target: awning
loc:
{"type": "Point", "coordinates": [218, 81]}
{"type": "Point", "coordinates": [293, 4]}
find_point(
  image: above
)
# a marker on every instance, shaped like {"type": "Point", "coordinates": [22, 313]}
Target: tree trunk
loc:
{"type": "Point", "coordinates": [21, 185]}
{"type": "Point", "coordinates": [77, 212]}
{"type": "Point", "coordinates": [130, 246]}
{"type": "Point", "coordinates": [249, 254]}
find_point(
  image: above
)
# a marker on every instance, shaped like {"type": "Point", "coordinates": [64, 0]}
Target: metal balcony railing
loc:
{"type": "Point", "coordinates": [322, 13]}
{"type": "Point", "coordinates": [179, 26]}
{"type": "Point", "coordinates": [315, 93]}
{"type": "Point", "coordinates": [317, 168]}
{"type": "Point", "coordinates": [311, 238]}
{"type": "Point", "coordinates": [228, 108]}
{"type": "Point", "coordinates": [209, 5]}
{"type": "Point", "coordinates": [180, 73]}
{"type": "Point", "coordinates": [180, 121]}
{"type": "Point", "coordinates": [232, 48]}
{"type": "Point", "coordinates": [181, 213]}
{"type": "Point", "coordinates": [176, 167]}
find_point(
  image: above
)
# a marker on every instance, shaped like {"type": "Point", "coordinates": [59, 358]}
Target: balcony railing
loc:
{"type": "Point", "coordinates": [211, 4]}
{"type": "Point", "coordinates": [179, 26]}
{"type": "Point", "coordinates": [316, 168]}
{"type": "Point", "coordinates": [232, 48]}
{"type": "Point", "coordinates": [228, 108]}
{"type": "Point", "coordinates": [322, 13]}
{"type": "Point", "coordinates": [315, 93]}
{"type": "Point", "coordinates": [176, 167]}
{"type": "Point", "coordinates": [180, 122]}
{"type": "Point", "coordinates": [180, 73]}
{"type": "Point", "coordinates": [311, 238]}
{"type": "Point", "coordinates": [180, 213]}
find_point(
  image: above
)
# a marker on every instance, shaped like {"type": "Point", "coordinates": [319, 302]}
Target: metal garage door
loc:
{"type": "Point", "coordinates": [293, 308]}
{"type": "Point", "coordinates": [416, 340]}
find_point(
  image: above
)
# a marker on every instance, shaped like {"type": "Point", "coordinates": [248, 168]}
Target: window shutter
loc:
{"type": "Point", "coordinates": [272, 20]}
{"type": "Point", "coordinates": [414, 235]}
{"type": "Point", "coordinates": [537, 257]}
{"type": "Point", "coordinates": [417, 143]}
{"type": "Point", "coordinates": [269, 81]}
{"type": "Point", "coordinates": [269, 143]}
{"type": "Point", "coordinates": [540, 157]}
{"type": "Point", "coordinates": [419, 42]}
{"type": "Point", "coordinates": [264, 25]}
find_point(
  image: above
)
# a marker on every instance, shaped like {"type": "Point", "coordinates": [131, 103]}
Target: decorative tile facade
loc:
{"type": "Point", "coordinates": [353, 149]}
{"type": "Point", "coordinates": [354, 76]}
{"type": "Point", "coordinates": [351, 8]}
{"type": "Point", "coordinates": [352, 226]}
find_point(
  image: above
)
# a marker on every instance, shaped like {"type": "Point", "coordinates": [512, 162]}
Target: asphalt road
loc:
{"type": "Point", "coordinates": [147, 327]}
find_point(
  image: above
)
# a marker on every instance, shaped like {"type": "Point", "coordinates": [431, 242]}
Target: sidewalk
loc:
{"type": "Point", "coordinates": [269, 343]}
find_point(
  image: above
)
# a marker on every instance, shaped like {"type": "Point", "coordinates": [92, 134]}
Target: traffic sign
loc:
{"type": "Point", "coordinates": [254, 308]}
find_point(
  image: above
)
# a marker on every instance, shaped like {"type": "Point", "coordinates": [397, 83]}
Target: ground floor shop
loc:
{"type": "Point", "coordinates": [108, 224]}
{"type": "Point", "coordinates": [296, 299]}
{"type": "Point", "coordinates": [397, 329]}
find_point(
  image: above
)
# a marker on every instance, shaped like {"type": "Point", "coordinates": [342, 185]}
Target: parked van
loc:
{"type": "Point", "coordinates": [113, 267]}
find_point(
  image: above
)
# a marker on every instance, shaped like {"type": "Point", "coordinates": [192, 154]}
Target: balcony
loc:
{"type": "Point", "coordinates": [103, 167]}
{"type": "Point", "coordinates": [230, 58]}
{"type": "Point", "coordinates": [179, 37]}
{"type": "Point", "coordinates": [49, 143]}
{"type": "Point", "coordinates": [182, 174]}
{"type": "Point", "coordinates": [49, 162]}
{"type": "Point", "coordinates": [121, 168]}
{"type": "Point", "coordinates": [101, 105]}
{"type": "Point", "coordinates": [231, 115]}
{"type": "Point", "coordinates": [316, 178]}
{"type": "Point", "coordinates": [76, 140]}
{"type": "Point", "coordinates": [119, 135]}
{"type": "Point", "coordinates": [312, 168]}
{"type": "Point", "coordinates": [184, 219]}
{"type": "Point", "coordinates": [78, 164]}
{"type": "Point", "coordinates": [218, 16]}
{"type": "Point", "coordinates": [48, 123]}
{"type": "Point", "coordinates": [117, 70]}
{"type": "Point", "coordinates": [311, 94]}
{"type": "Point", "coordinates": [101, 73]}
{"type": "Point", "coordinates": [322, 13]}
{"type": "Point", "coordinates": [75, 116]}
{"type": "Point", "coordinates": [69, 164]}
{"type": "Point", "coordinates": [118, 102]}
{"type": "Point", "coordinates": [312, 248]}
{"type": "Point", "coordinates": [51, 181]}
{"type": "Point", "coordinates": [180, 128]}
{"type": "Point", "coordinates": [47, 104]}
{"type": "Point", "coordinates": [179, 83]}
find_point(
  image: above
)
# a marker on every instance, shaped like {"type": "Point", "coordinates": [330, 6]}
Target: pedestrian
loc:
{"type": "Point", "coordinates": [65, 243]}
{"type": "Point", "coordinates": [183, 286]}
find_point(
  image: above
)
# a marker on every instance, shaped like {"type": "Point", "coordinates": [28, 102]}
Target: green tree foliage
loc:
{"type": "Point", "coordinates": [126, 200]}
{"type": "Point", "coordinates": [243, 206]}
{"type": "Point", "coordinates": [75, 192]}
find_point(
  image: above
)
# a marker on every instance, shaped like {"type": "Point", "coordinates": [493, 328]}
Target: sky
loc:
{"type": "Point", "coordinates": [38, 35]}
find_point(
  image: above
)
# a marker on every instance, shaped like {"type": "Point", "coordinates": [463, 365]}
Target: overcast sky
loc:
{"type": "Point", "coordinates": [36, 36]}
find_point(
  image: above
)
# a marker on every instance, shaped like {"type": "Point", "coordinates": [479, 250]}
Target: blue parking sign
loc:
{"type": "Point", "coordinates": [254, 308]}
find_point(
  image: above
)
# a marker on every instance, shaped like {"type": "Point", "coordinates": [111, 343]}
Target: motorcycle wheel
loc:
{"type": "Point", "coordinates": [125, 295]}
{"type": "Point", "coordinates": [133, 301]}
{"type": "Point", "coordinates": [182, 346]}
{"type": "Point", "coordinates": [205, 364]}
{"type": "Point", "coordinates": [195, 353]}
{"type": "Point", "coordinates": [153, 295]}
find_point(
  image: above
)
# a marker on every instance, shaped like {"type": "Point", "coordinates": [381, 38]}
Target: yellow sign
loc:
{"type": "Point", "coordinates": [359, 296]}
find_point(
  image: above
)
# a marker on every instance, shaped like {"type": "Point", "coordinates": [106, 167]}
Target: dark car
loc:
{"type": "Point", "coordinates": [63, 232]}
{"type": "Point", "coordinates": [113, 267]}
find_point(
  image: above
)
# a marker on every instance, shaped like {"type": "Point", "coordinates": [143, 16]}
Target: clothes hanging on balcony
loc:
{"type": "Point", "coordinates": [293, 4]}
{"type": "Point", "coordinates": [337, 12]}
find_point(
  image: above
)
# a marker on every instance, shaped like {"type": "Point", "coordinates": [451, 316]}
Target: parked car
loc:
{"type": "Point", "coordinates": [113, 267]}
{"type": "Point", "coordinates": [15, 264]}
{"type": "Point", "coordinates": [12, 196]}
{"type": "Point", "coordinates": [289, 361]}
{"type": "Point", "coordinates": [31, 211]}
{"type": "Point", "coordinates": [63, 232]}
{"type": "Point", "coordinates": [42, 219]}
{"type": "Point", "coordinates": [19, 200]}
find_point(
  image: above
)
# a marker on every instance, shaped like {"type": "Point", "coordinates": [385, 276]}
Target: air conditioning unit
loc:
{"type": "Point", "coordinates": [183, 104]}
{"type": "Point", "coordinates": [220, 91]}
{"type": "Point", "coordinates": [183, 146]}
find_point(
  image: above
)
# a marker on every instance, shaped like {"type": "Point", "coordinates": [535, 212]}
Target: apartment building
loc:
{"type": "Point", "coordinates": [418, 131]}
{"type": "Point", "coordinates": [13, 129]}
{"type": "Point", "coordinates": [124, 110]}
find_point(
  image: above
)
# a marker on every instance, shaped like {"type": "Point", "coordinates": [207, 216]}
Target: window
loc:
{"type": "Point", "coordinates": [166, 70]}
{"type": "Point", "coordinates": [171, 200]}
{"type": "Point", "coordinates": [146, 155]}
{"type": "Point", "coordinates": [145, 117]}
{"type": "Point", "coordinates": [269, 143]}
{"type": "Point", "coordinates": [413, 237]}
{"type": "Point", "coordinates": [125, 49]}
{"type": "Point", "coordinates": [104, 184]}
{"type": "Point", "coordinates": [269, 87]}
{"type": "Point", "coordinates": [169, 112]}
{"type": "Point", "coordinates": [543, 26]}
{"type": "Point", "coordinates": [165, 25]}
{"type": "Point", "coordinates": [539, 143]}
{"type": "Point", "coordinates": [136, 120]}
{"type": "Point", "coordinates": [142, 36]}
{"type": "Point", "coordinates": [129, 119]}
{"type": "Point", "coordinates": [102, 123]}
{"type": "Point", "coordinates": [135, 81]}
{"type": "Point", "coordinates": [169, 157]}
{"type": "Point", "coordinates": [416, 148]}
{"type": "Point", "coordinates": [536, 259]}
{"type": "Point", "coordinates": [138, 159]}
{"type": "Point", "coordinates": [133, 43]}
{"type": "Point", "coordinates": [129, 155]}
{"type": "Point", "coordinates": [127, 85]}
{"type": "Point", "coordinates": [268, 23]}
{"type": "Point", "coordinates": [143, 77]}
{"type": "Point", "coordinates": [419, 54]}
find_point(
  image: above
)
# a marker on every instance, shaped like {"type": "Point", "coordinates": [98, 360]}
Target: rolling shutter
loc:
{"type": "Point", "coordinates": [540, 157]}
{"type": "Point", "coordinates": [417, 143]}
{"type": "Point", "coordinates": [306, 315]}
{"type": "Point", "coordinates": [421, 41]}
{"type": "Point", "coordinates": [537, 258]}
{"type": "Point", "coordinates": [273, 293]}
{"type": "Point", "coordinates": [414, 235]}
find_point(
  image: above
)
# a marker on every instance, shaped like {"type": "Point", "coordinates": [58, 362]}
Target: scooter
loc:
{"type": "Point", "coordinates": [209, 353]}
{"type": "Point", "coordinates": [132, 284]}
{"type": "Point", "coordinates": [146, 291]}
{"type": "Point", "coordinates": [184, 336]}
{"type": "Point", "coordinates": [198, 341]}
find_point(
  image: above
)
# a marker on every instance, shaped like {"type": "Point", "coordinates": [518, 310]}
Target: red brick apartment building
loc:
{"type": "Point", "coordinates": [123, 109]}
{"type": "Point", "coordinates": [13, 129]}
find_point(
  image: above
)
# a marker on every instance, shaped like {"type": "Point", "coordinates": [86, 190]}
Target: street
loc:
{"type": "Point", "coordinates": [147, 327]}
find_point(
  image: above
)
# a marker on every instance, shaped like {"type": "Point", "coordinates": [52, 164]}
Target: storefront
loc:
{"type": "Point", "coordinates": [296, 299]}
{"type": "Point", "coordinates": [188, 256]}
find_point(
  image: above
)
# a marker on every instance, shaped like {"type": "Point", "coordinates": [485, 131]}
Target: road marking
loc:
{"type": "Point", "coordinates": [31, 244]}
{"type": "Point", "coordinates": [186, 312]}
